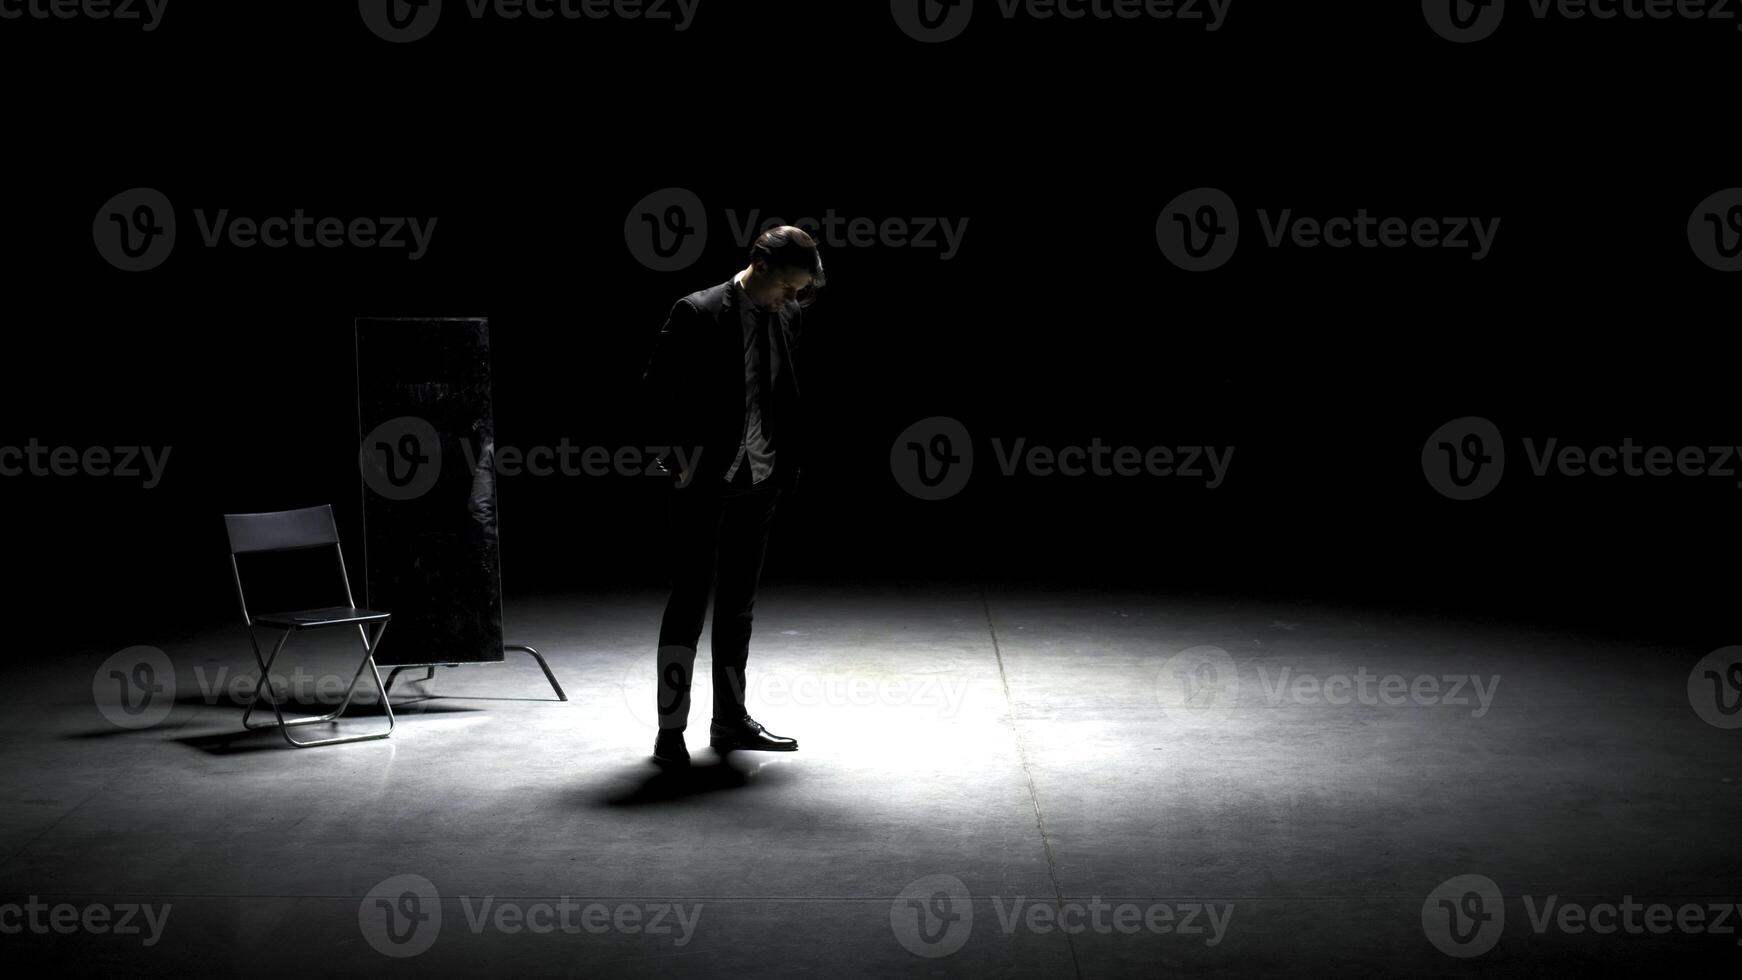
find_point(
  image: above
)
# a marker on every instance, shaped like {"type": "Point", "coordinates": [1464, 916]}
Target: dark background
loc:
{"type": "Point", "coordinates": [1059, 321]}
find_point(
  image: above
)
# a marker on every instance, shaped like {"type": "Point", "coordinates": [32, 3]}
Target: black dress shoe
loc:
{"type": "Point", "coordinates": [669, 750]}
{"type": "Point", "coordinates": [745, 734]}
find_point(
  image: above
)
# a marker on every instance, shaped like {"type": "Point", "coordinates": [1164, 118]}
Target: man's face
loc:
{"type": "Point", "coordinates": [774, 287]}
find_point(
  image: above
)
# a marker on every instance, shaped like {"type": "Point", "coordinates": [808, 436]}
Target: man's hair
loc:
{"type": "Point", "coordinates": [791, 247]}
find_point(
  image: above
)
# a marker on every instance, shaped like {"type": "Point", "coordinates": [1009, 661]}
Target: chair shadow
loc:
{"type": "Point", "coordinates": [368, 712]}
{"type": "Point", "coordinates": [669, 784]}
{"type": "Point", "coordinates": [223, 742]}
{"type": "Point", "coordinates": [266, 739]}
{"type": "Point", "coordinates": [404, 705]}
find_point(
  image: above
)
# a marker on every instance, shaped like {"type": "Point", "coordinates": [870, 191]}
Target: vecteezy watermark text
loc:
{"type": "Point", "coordinates": [35, 459]}
{"type": "Point", "coordinates": [667, 230]}
{"type": "Point", "coordinates": [402, 917]}
{"type": "Point", "coordinates": [148, 14]}
{"type": "Point", "coordinates": [136, 231]}
{"type": "Point", "coordinates": [402, 458]}
{"type": "Point", "coordinates": [933, 458]}
{"type": "Point", "coordinates": [941, 234]}
{"type": "Point", "coordinates": [305, 231]}
{"type": "Point", "coordinates": [1201, 686]}
{"type": "Point", "coordinates": [1465, 916]}
{"type": "Point", "coordinates": [402, 21]}
{"type": "Point", "coordinates": [670, 670]}
{"type": "Point", "coordinates": [1464, 21]}
{"type": "Point", "coordinates": [1380, 690]}
{"type": "Point", "coordinates": [1200, 230]}
{"type": "Point", "coordinates": [1466, 457]}
{"type": "Point", "coordinates": [571, 460]}
{"type": "Point", "coordinates": [1100, 459]}
{"type": "Point", "coordinates": [935, 21]}
{"type": "Point", "coordinates": [96, 918]}
{"type": "Point", "coordinates": [933, 917]}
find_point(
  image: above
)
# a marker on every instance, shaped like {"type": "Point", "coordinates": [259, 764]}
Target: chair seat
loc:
{"type": "Point", "coordinates": [305, 619]}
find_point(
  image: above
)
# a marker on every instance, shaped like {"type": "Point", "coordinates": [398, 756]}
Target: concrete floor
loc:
{"type": "Point", "coordinates": [1014, 747]}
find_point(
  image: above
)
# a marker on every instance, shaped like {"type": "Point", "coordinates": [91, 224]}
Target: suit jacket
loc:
{"type": "Point", "coordinates": [693, 387]}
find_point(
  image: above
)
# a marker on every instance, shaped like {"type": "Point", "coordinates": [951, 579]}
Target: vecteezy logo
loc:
{"type": "Point", "coordinates": [1198, 686]}
{"type": "Point", "coordinates": [1199, 230]}
{"type": "Point", "coordinates": [668, 671]}
{"type": "Point", "coordinates": [676, 664]}
{"type": "Point", "coordinates": [1463, 21]}
{"type": "Point", "coordinates": [135, 230]}
{"type": "Point", "coordinates": [400, 21]}
{"type": "Point", "coordinates": [1464, 916]}
{"type": "Point", "coordinates": [135, 687]}
{"type": "Point", "coordinates": [402, 916]}
{"type": "Point", "coordinates": [933, 916]}
{"type": "Point", "coordinates": [1465, 458]}
{"type": "Point", "coordinates": [932, 21]}
{"type": "Point", "coordinates": [401, 458]}
{"type": "Point", "coordinates": [932, 458]}
{"type": "Point", "coordinates": [667, 230]}
{"type": "Point", "coordinates": [1715, 230]}
{"type": "Point", "coordinates": [1715, 687]}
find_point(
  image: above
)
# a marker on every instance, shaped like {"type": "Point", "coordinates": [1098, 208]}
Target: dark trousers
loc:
{"type": "Point", "coordinates": [719, 535]}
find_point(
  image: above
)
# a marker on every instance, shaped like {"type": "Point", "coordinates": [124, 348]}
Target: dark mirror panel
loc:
{"type": "Point", "coordinates": [429, 494]}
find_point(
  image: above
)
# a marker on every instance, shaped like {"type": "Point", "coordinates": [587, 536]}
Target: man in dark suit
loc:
{"type": "Point", "coordinates": [723, 393]}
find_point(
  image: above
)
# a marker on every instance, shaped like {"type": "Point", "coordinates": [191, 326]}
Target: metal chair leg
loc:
{"type": "Point", "coordinates": [284, 726]}
{"type": "Point", "coordinates": [265, 666]}
{"type": "Point", "coordinates": [282, 722]}
{"type": "Point", "coordinates": [368, 661]}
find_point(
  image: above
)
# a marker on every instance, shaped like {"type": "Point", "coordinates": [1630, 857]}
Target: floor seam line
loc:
{"type": "Point", "coordinates": [1028, 775]}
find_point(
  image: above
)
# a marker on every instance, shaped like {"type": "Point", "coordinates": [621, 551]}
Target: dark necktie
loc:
{"type": "Point", "coordinates": [764, 344]}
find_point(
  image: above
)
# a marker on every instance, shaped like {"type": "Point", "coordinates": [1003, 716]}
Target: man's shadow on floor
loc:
{"type": "Point", "coordinates": [705, 774]}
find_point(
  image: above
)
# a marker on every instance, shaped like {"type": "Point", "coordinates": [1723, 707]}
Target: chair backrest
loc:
{"type": "Point", "coordinates": [283, 530]}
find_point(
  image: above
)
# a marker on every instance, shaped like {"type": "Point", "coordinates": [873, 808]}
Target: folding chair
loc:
{"type": "Point", "coordinates": [290, 530]}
